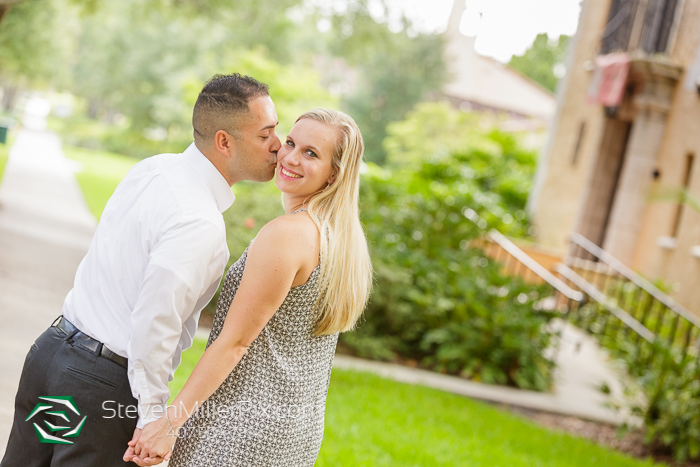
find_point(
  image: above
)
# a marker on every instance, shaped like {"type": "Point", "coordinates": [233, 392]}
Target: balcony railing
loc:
{"type": "Point", "coordinates": [645, 25]}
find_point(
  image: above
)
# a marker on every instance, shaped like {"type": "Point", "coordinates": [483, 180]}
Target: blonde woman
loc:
{"type": "Point", "coordinates": [258, 394]}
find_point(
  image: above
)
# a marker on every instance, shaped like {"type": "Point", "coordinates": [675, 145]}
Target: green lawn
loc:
{"type": "Point", "coordinates": [375, 422]}
{"type": "Point", "coordinates": [101, 173]}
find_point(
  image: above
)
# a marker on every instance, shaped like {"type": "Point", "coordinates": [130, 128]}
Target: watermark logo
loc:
{"type": "Point", "coordinates": [58, 408]}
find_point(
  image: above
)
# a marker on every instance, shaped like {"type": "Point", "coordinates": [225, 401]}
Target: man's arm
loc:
{"type": "Point", "coordinates": [272, 264]}
{"type": "Point", "coordinates": [182, 266]}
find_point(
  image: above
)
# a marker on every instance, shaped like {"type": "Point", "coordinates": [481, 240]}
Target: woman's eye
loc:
{"type": "Point", "coordinates": [290, 144]}
{"type": "Point", "coordinates": [311, 153]}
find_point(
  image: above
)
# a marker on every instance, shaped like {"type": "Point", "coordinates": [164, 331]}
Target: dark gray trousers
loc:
{"type": "Point", "coordinates": [56, 367]}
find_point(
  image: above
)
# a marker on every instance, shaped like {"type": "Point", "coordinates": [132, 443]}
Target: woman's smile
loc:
{"type": "Point", "coordinates": [286, 173]}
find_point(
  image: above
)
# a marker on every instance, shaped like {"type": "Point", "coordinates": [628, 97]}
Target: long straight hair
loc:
{"type": "Point", "coordinates": [346, 270]}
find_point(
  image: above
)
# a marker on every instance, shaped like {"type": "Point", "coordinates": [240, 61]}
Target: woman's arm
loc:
{"type": "Point", "coordinates": [277, 254]}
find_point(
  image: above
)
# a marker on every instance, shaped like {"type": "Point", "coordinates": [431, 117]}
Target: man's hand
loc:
{"type": "Point", "coordinates": [153, 445]}
{"type": "Point", "coordinates": [130, 455]}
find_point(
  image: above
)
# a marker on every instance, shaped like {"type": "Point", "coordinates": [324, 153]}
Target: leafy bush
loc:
{"type": "Point", "coordinates": [438, 300]}
{"type": "Point", "coordinates": [669, 381]}
{"type": "Point", "coordinates": [672, 414]}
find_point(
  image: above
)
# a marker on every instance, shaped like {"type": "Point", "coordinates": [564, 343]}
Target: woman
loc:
{"type": "Point", "coordinates": [261, 385]}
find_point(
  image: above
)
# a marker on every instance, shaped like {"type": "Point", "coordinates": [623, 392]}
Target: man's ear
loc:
{"type": "Point", "coordinates": [225, 143]}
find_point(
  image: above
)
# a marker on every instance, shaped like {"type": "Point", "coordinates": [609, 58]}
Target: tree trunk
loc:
{"type": "Point", "coordinates": [93, 109]}
{"type": "Point", "coordinates": [3, 10]}
{"type": "Point", "coordinates": [9, 97]}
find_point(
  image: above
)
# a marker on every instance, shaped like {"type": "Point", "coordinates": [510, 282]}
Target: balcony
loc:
{"type": "Point", "coordinates": [640, 25]}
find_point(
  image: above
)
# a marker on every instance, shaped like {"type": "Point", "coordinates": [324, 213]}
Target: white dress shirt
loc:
{"type": "Point", "coordinates": [156, 259]}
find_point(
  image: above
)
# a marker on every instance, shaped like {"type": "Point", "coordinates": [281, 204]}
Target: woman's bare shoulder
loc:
{"type": "Point", "coordinates": [296, 233]}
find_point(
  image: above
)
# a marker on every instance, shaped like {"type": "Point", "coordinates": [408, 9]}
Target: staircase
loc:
{"type": "Point", "coordinates": [599, 294]}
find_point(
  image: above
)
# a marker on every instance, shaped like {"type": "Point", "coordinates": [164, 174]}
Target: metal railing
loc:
{"type": "Point", "coordinates": [607, 299]}
{"type": "Point", "coordinates": [672, 324]}
{"type": "Point", "coordinates": [517, 262]}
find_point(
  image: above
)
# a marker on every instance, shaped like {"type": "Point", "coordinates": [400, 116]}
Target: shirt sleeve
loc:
{"type": "Point", "coordinates": [186, 262]}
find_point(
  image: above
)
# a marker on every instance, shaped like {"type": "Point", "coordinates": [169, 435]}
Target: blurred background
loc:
{"type": "Point", "coordinates": [530, 190]}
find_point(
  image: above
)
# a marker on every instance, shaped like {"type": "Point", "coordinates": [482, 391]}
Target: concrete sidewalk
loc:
{"type": "Point", "coordinates": [582, 368]}
{"type": "Point", "coordinates": [45, 230]}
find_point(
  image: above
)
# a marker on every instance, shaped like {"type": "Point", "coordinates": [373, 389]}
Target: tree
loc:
{"type": "Point", "coordinates": [5, 7]}
{"type": "Point", "coordinates": [543, 61]}
{"type": "Point", "coordinates": [395, 71]}
{"type": "Point", "coordinates": [32, 48]}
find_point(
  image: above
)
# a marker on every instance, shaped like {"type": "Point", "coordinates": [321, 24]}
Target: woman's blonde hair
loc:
{"type": "Point", "coordinates": [346, 270]}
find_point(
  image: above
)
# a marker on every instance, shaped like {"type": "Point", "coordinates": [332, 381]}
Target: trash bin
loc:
{"type": "Point", "coordinates": [5, 125]}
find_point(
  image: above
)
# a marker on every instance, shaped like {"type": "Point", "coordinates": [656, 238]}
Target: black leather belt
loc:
{"type": "Point", "coordinates": [88, 343]}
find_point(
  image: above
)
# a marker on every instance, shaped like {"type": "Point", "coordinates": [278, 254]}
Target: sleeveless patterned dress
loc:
{"type": "Point", "coordinates": [270, 410]}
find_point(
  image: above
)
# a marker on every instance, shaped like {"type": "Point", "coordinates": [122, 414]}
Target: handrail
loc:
{"type": "Point", "coordinates": [638, 280]}
{"type": "Point", "coordinates": [534, 266]}
{"type": "Point", "coordinates": [609, 304]}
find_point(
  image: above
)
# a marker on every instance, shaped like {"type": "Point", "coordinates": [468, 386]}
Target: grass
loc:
{"type": "Point", "coordinates": [374, 422]}
{"type": "Point", "coordinates": [101, 173]}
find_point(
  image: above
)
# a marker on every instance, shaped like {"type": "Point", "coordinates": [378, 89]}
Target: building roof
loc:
{"type": "Point", "coordinates": [487, 82]}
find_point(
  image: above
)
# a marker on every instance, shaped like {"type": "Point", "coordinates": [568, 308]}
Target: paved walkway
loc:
{"type": "Point", "coordinates": [46, 228]}
{"type": "Point", "coordinates": [582, 368]}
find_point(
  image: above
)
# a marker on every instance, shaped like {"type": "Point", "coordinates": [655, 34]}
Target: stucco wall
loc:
{"type": "Point", "coordinates": [676, 266]}
{"type": "Point", "coordinates": [562, 186]}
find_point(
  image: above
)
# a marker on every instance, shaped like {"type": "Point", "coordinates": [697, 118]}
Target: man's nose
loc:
{"type": "Point", "coordinates": [276, 143]}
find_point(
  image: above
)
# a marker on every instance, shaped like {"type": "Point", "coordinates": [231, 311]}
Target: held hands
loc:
{"type": "Point", "coordinates": [153, 444]}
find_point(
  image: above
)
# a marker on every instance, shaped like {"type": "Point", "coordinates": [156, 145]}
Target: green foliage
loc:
{"type": "Point", "coordinates": [540, 61]}
{"type": "Point", "coordinates": [141, 59]}
{"type": "Point", "coordinates": [668, 378]}
{"type": "Point", "coordinates": [672, 414]}
{"type": "Point", "coordinates": [431, 129]}
{"type": "Point", "coordinates": [256, 204]}
{"type": "Point", "coordinates": [493, 159]}
{"type": "Point", "coordinates": [394, 72]}
{"type": "Point", "coordinates": [32, 49]}
{"type": "Point", "coordinates": [438, 299]}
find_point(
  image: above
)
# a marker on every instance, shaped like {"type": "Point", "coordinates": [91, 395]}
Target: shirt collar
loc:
{"type": "Point", "coordinates": [216, 182]}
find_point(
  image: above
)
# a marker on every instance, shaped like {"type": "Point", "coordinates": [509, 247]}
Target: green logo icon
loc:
{"type": "Point", "coordinates": [58, 407]}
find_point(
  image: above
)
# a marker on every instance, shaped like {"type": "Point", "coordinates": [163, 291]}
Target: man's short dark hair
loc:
{"type": "Point", "coordinates": [223, 104]}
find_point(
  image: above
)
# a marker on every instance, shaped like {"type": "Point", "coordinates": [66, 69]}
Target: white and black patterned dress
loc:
{"type": "Point", "coordinates": [270, 410]}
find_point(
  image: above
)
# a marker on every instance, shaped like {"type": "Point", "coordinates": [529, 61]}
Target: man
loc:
{"type": "Point", "coordinates": [156, 259]}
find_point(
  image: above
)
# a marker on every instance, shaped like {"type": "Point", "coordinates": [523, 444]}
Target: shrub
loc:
{"type": "Point", "coordinates": [438, 299]}
{"type": "Point", "coordinates": [669, 381]}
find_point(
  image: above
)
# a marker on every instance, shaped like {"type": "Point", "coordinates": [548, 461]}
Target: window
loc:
{"type": "Point", "coordinates": [639, 24]}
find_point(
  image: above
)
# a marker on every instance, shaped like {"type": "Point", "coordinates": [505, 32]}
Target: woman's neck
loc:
{"type": "Point", "coordinates": [293, 203]}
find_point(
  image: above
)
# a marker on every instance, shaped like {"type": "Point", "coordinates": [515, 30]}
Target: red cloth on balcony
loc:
{"type": "Point", "coordinates": [607, 85]}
